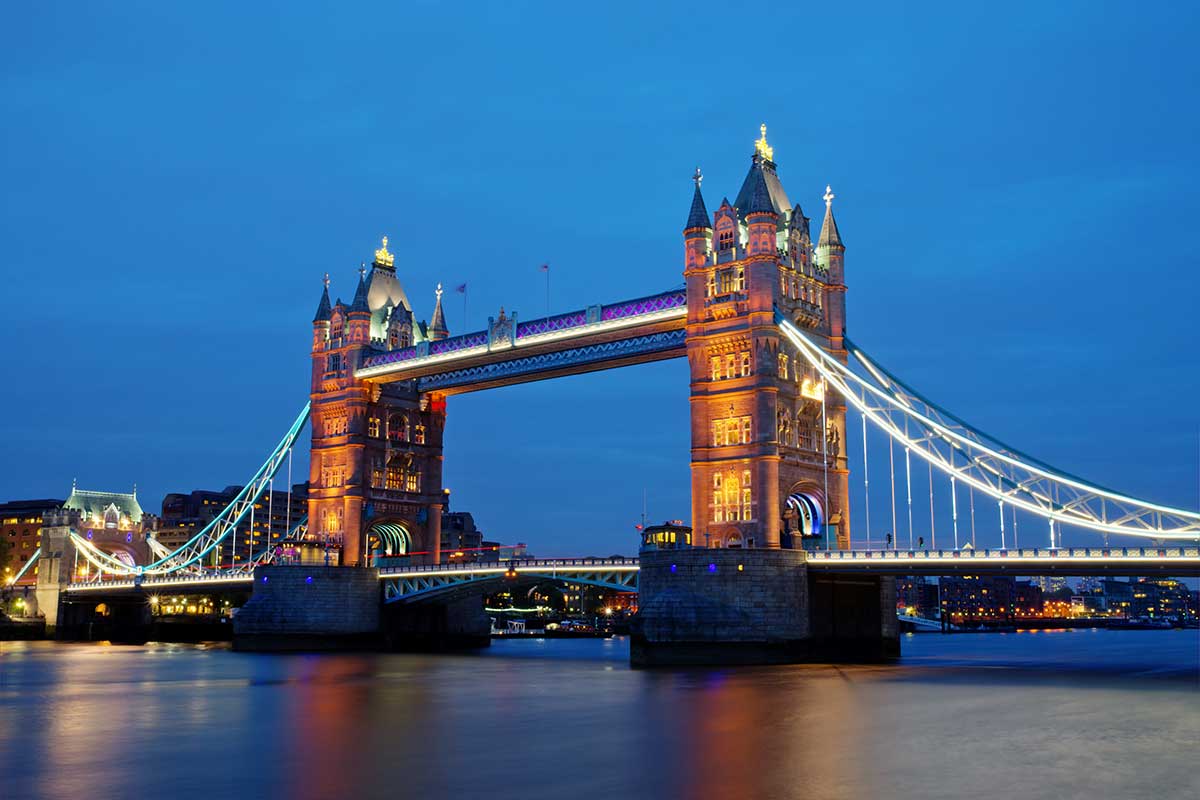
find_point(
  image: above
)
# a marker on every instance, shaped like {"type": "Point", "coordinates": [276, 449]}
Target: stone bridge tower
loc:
{"type": "Point", "coordinates": [376, 466]}
{"type": "Point", "coordinates": [768, 441]}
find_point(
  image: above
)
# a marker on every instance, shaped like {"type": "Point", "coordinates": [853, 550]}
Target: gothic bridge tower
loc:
{"type": "Point", "coordinates": [768, 441]}
{"type": "Point", "coordinates": [376, 469]}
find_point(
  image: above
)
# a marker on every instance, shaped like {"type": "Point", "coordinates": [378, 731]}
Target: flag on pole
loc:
{"type": "Point", "coordinates": [545, 268]}
{"type": "Point", "coordinates": [461, 288]}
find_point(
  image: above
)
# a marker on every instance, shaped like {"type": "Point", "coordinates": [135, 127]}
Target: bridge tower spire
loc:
{"type": "Point", "coordinates": [768, 463]}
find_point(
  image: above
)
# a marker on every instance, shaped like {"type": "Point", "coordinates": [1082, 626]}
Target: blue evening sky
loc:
{"type": "Point", "coordinates": [1016, 185]}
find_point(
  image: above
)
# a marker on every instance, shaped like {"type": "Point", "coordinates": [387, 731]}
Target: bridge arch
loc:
{"type": "Point", "coordinates": [388, 538]}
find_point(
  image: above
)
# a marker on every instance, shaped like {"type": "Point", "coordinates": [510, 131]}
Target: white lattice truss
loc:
{"type": "Point", "coordinates": [404, 584]}
{"type": "Point", "coordinates": [980, 461]}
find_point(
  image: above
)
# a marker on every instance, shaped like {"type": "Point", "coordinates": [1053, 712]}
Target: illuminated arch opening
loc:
{"type": "Point", "coordinates": [388, 539]}
{"type": "Point", "coordinates": [809, 513]}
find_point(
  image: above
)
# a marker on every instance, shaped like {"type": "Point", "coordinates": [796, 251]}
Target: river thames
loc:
{"type": "Point", "coordinates": [1056, 714]}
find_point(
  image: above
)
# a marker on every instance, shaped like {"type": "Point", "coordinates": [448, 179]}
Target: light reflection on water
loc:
{"type": "Point", "coordinates": [1051, 714]}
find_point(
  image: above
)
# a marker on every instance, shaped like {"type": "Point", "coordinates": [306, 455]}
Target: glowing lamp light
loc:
{"type": "Point", "coordinates": [306, 580]}
{"type": "Point", "coordinates": [673, 568]}
{"type": "Point", "coordinates": [265, 579]}
{"type": "Point", "coordinates": [712, 567]}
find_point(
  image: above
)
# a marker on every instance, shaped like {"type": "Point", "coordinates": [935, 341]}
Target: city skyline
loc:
{"type": "Point", "coordinates": [182, 342]}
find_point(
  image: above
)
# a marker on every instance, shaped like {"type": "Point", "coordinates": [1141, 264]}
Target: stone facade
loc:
{"type": "Point", "coordinates": [309, 608]}
{"type": "Point", "coordinates": [376, 461]}
{"type": "Point", "coordinates": [707, 606]}
{"type": "Point", "coordinates": [768, 461]}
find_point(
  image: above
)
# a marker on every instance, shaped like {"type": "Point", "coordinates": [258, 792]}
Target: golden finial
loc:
{"type": "Point", "coordinates": [761, 147]}
{"type": "Point", "coordinates": [383, 257]}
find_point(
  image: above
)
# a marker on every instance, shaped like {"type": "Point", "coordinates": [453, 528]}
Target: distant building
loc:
{"type": "Point", "coordinates": [461, 540]}
{"type": "Point", "coordinates": [1049, 584]}
{"type": "Point", "coordinates": [918, 596]}
{"type": "Point", "coordinates": [977, 600]}
{"type": "Point", "coordinates": [185, 515]}
{"type": "Point", "coordinates": [1160, 598]}
{"type": "Point", "coordinates": [20, 529]}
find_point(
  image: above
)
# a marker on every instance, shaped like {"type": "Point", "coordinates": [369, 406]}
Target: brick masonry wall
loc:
{"type": "Point", "coordinates": [727, 596]}
{"type": "Point", "coordinates": [311, 601]}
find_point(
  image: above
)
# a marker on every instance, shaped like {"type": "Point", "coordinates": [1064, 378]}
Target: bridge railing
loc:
{"type": "Point", "coordinates": [990, 553]}
{"type": "Point", "coordinates": [517, 564]}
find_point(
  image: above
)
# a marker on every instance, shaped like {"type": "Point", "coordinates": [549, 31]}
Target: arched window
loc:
{"type": "Point", "coordinates": [718, 499]}
{"type": "Point", "coordinates": [397, 428]}
{"type": "Point", "coordinates": [783, 365]}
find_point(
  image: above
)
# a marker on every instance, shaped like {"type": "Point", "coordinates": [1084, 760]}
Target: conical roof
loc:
{"type": "Point", "coordinates": [359, 304]}
{"type": "Point", "coordinates": [763, 171]}
{"type": "Point", "coordinates": [437, 327]}
{"type": "Point", "coordinates": [323, 308]}
{"type": "Point", "coordinates": [698, 215]}
{"type": "Point", "coordinates": [830, 237]}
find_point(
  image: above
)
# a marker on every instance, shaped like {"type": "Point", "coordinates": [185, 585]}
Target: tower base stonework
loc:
{"type": "Point", "coordinates": [757, 607]}
{"type": "Point", "coordinates": [308, 607]}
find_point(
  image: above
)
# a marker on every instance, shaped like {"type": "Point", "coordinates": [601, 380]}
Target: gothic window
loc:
{"type": "Point", "coordinates": [783, 365]}
{"type": "Point", "coordinates": [398, 428]}
{"type": "Point", "coordinates": [716, 433]}
{"type": "Point", "coordinates": [373, 427]}
{"type": "Point", "coordinates": [715, 365]}
{"type": "Point", "coordinates": [745, 430]}
{"type": "Point", "coordinates": [745, 363]}
{"type": "Point", "coordinates": [412, 481]}
{"type": "Point", "coordinates": [377, 473]}
{"type": "Point", "coordinates": [395, 478]}
{"type": "Point", "coordinates": [739, 279]}
{"type": "Point", "coordinates": [783, 285]}
{"type": "Point", "coordinates": [746, 498]}
{"type": "Point", "coordinates": [718, 498]}
{"type": "Point", "coordinates": [710, 285]}
{"type": "Point", "coordinates": [333, 362]}
{"type": "Point", "coordinates": [725, 238]}
{"type": "Point", "coordinates": [730, 365]}
{"type": "Point", "coordinates": [730, 498]}
{"type": "Point", "coordinates": [419, 433]}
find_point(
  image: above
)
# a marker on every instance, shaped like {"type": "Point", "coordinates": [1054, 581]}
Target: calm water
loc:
{"type": "Point", "coordinates": [1060, 715]}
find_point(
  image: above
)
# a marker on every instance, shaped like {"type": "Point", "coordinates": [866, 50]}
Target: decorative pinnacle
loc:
{"type": "Point", "coordinates": [438, 292]}
{"type": "Point", "coordinates": [697, 178]}
{"type": "Point", "coordinates": [829, 195]}
{"type": "Point", "coordinates": [326, 281]}
{"type": "Point", "coordinates": [761, 147]}
{"type": "Point", "coordinates": [382, 256]}
{"type": "Point", "coordinates": [362, 270]}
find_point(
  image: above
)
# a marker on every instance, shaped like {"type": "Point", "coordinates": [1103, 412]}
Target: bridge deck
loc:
{"type": "Point", "coordinates": [595, 338]}
{"type": "Point", "coordinates": [1117, 561]}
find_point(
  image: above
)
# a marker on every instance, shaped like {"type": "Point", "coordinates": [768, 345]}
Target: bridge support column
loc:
{"type": "Point", "coordinates": [310, 607]}
{"type": "Point", "coordinates": [757, 607]}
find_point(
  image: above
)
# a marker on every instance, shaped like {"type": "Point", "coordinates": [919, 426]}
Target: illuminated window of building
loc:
{"type": "Point", "coordinates": [333, 362]}
{"type": "Point", "coordinates": [745, 363]}
{"type": "Point", "coordinates": [745, 430]}
{"type": "Point", "coordinates": [730, 498]}
{"type": "Point", "coordinates": [377, 472]}
{"type": "Point", "coordinates": [395, 478]}
{"type": "Point", "coordinates": [718, 499]}
{"type": "Point", "coordinates": [398, 428]}
{"type": "Point", "coordinates": [783, 285]}
{"type": "Point", "coordinates": [746, 499]}
{"type": "Point", "coordinates": [419, 434]}
{"type": "Point", "coordinates": [373, 427]}
{"type": "Point", "coordinates": [731, 362]}
{"type": "Point", "coordinates": [725, 237]}
{"type": "Point", "coordinates": [715, 365]}
{"type": "Point", "coordinates": [783, 365]}
{"type": "Point", "coordinates": [710, 285]}
{"type": "Point", "coordinates": [413, 481]}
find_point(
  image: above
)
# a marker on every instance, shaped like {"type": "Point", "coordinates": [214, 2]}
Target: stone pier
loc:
{"type": "Point", "coordinates": [310, 607]}
{"type": "Point", "coordinates": [738, 606]}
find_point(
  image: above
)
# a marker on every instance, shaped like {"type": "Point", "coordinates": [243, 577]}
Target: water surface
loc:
{"type": "Point", "coordinates": [1057, 714]}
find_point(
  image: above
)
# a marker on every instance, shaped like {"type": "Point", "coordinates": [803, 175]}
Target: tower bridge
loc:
{"type": "Point", "coordinates": [774, 385]}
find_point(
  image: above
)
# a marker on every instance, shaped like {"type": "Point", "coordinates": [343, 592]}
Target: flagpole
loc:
{"type": "Point", "coordinates": [547, 290]}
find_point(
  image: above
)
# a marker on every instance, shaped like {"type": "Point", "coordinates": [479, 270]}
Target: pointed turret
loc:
{"type": "Point", "coordinates": [829, 230]}
{"type": "Point", "coordinates": [698, 215]}
{"type": "Point", "coordinates": [437, 327]}
{"type": "Point", "coordinates": [762, 167]}
{"type": "Point", "coordinates": [759, 201]}
{"type": "Point", "coordinates": [323, 308]}
{"type": "Point", "coordinates": [359, 304]}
